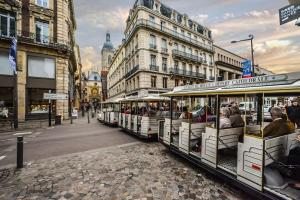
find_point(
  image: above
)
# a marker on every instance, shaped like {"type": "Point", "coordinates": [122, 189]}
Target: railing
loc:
{"type": "Point", "coordinates": [181, 72]}
{"type": "Point", "coordinates": [164, 50]}
{"type": "Point", "coordinates": [43, 40]}
{"type": "Point", "coordinates": [135, 69]}
{"type": "Point", "coordinates": [187, 55]}
{"type": "Point", "coordinates": [165, 68]}
{"type": "Point", "coordinates": [152, 46]}
{"type": "Point", "coordinates": [159, 27]}
{"type": "Point", "coordinates": [154, 68]}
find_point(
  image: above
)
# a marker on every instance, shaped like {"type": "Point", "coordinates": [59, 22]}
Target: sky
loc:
{"type": "Point", "coordinates": [276, 47]}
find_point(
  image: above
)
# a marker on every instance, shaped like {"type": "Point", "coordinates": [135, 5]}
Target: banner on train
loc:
{"type": "Point", "coordinates": [247, 69]}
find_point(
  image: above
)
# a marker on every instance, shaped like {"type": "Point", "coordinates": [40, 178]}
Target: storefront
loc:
{"type": "Point", "coordinates": [40, 80]}
{"type": "Point", "coordinates": [7, 82]}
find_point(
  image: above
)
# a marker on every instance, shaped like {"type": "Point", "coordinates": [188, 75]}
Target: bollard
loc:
{"type": "Point", "coordinates": [20, 152]}
{"type": "Point", "coordinates": [88, 114]}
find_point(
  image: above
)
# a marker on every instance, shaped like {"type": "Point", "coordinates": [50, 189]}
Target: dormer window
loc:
{"type": "Point", "coordinates": [43, 3]}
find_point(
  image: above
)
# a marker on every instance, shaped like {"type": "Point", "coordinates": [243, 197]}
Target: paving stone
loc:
{"type": "Point", "coordinates": [144, 171]}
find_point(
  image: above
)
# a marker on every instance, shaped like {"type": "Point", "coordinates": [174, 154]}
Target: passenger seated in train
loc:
{"type": "Point", "coordinates": [236, 118]}
{"type": "Point", "coordinates": [293, 112]}
{"type": "Point", "coordinates": [205, 115]}
{"type": "Point", "coordinates": [291, 125]}
{"type": "Point", "coordinates": [184, 114]}
{"type": "Point", "coordinates": [224, 118]}
{"type": "Point", "coordinates": [278, 126]}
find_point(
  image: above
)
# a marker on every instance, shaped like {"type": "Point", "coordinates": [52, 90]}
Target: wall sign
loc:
{"type": "Point", "coordinates": [289, 13]}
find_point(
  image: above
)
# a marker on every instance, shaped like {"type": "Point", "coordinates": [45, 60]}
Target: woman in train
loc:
{"type": "Point", "coordinates": [224, 118]}
{"type": "Point", "coordinates": [236, 118]}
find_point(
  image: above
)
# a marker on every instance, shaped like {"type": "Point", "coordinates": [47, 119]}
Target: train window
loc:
{"type": "Point", "coordinates": [116, 107]}
{"type": "Point", "coordinates": [201, 113]}
{"type": "Point", "coordinates": [281, 155]}
{"type": "Point", "coordinates": [251, 110]}
{"type": "Point", "coordinates": [231, 128]}
{"type": "Point", "coordinates": [181, 114]}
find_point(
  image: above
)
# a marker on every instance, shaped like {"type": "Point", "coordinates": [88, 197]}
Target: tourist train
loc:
{"type": "Point", "coordinates": [227, 128]}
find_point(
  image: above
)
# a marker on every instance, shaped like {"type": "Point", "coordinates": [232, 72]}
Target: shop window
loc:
{"type": "Point", "coordinates": [41, 67]}
{"type": "Point", "coordinates": [36, 104]}
{"type": "Point", "coordinates": [5, 69]}
{"type": "Point", "coordinates": [6, 103]}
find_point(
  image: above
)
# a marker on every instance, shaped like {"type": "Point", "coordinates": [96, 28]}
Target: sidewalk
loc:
{"type": "Point", "coordinates": [144, 171]}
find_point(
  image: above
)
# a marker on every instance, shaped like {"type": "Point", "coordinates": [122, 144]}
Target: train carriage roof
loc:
{"type": "Point", "coordinates": [281, 83]}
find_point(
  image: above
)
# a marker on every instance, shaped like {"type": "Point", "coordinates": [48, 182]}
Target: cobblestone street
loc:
{"type": "Point", "coordinates": [131, 171]}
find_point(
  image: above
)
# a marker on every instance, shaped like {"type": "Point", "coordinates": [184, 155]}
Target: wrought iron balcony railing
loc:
{"type": "Point", "coordinates": [159, 27]}
{"type": "Point", "coordinates": [187, 56]}
{"type": "Point", "coordinates": [180, 72]}
{"type": "Point", "coordinates": [154, 68]}
{"type": "Point", "coordinates": [38, 39]}
{"type": "Point", "coordinates": [135, 69]}
{"type": "Point", "coordinates": [152, 46]}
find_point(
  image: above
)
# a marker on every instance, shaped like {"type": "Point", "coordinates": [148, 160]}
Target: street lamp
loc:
{"type": "Point", "coordinates": [251, 37]}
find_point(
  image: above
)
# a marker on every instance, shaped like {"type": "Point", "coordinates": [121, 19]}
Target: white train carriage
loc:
{"type": "Point", "coordinates": [242, 146]}
{"type": "Point", "coordinates": [110, 112]}
{"type": "Point", "coordinates": [144, 113]}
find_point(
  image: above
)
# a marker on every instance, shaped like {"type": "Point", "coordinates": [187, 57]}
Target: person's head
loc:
{"type": "Point", "coordinates": [294, 102]}
{"type": "Point", "coordinates": [225, 112]}
{"type": "Point", "coordinates": [276, 113]}
{"type": "Point", "coordinates": [235, 110]}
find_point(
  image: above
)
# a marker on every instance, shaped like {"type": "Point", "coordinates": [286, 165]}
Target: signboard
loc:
{"type": "Point", "coordinates": [53, 96]}
{"type": "Point", "coordinates": [247, 69]}
{"type": "Point", "coordinates": [259, 81]}
{"type": "Point", "coordinates": [289, 13]}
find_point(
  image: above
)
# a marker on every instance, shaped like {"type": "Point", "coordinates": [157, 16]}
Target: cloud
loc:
{"type": "Point", "coordinates": [108, 20]}
{"type": "Point", "coordinates": [200, 18]}
{"type": "Point", "coordinates": [228, 15]}
{"type": "Point", "coordinates": [90, 58]}
{"type": "Point", "coordinates": [276, 47]}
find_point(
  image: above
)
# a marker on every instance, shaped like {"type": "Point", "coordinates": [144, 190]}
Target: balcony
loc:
{"type": "Point", "coordinates": [164, 50]}
{"type": "Point", "coordinates": [154, 68]}
{"type": "Point", "coordinates": [135, 69]}
{"type": "Point", "coordinates": [152, 46]}
{"type": "Point", "coordinates": [158, 27]}
{"type": "Point", "coordinates": [187, 56]}
{"type": "Point", "coordinates": [180, 72]}
{"type": "Point", "coordinates": [42, 40]}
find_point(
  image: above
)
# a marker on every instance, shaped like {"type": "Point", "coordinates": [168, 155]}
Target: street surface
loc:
{"type": "Point", "coordinates": [60, 140]}
{"type": "Point", "coordinates": [92, 161]}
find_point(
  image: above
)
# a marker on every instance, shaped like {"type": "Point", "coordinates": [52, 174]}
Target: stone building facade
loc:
{"type": "Point", "coordinates": [162, 49]}
{"type": "Point", "coordinates": [46, 57]}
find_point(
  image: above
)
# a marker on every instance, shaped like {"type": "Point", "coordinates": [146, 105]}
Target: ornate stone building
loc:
{"type": "Point", "coordinates": [107, 53]}
{"type": "Point", "coordinates": [46, 57]}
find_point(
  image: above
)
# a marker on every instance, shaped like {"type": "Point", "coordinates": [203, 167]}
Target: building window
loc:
{"type": "Point", "coordinates": [41, 67]}
{"type": "Point", "coordinates": [164, 64]}
{"type": "Point", "coordinates": [153, 81]}
{"type": "Point", "coordinates": [153, 60]}
{"type": "Point", "coordinates": [197, 70]}
{"type": "Point", "coordinates": [164, 45]}
{"type": "Point", "coordinates": [176, 65]}
{"type": "Point", "coordinates": [151, 19]}
{"type": "Point", "coordinates": [43, 3]}
{"type": "Point", "coordinates": [210, 73]}
{"type": "Point", "coordinates": [5, 69]}
{"type": "Point", "coordinates": [165, 82]}
{"type": "Point", "coordinates": [42, 31]}
{"type": "Point", "coordinates": [204, 71]}
{"type": "Point", "coordinates": [183, 48]}
{"type": "Point", "coordinates": [175, 46]}
{"type": "Point", "coordinates": [176, 82]}
{"type": "Point", "coordinates": [152, 41]}
{"type": "Point", "coordinates": [7, 25]}
{"type": "Point", "coordinates": [184, 68]}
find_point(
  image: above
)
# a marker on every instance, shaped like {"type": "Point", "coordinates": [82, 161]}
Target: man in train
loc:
{"type": "Point", "coordinates": [278, 126]}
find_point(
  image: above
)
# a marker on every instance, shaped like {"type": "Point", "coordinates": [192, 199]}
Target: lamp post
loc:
{"type": "Point", "coordinates": [251, 37]}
